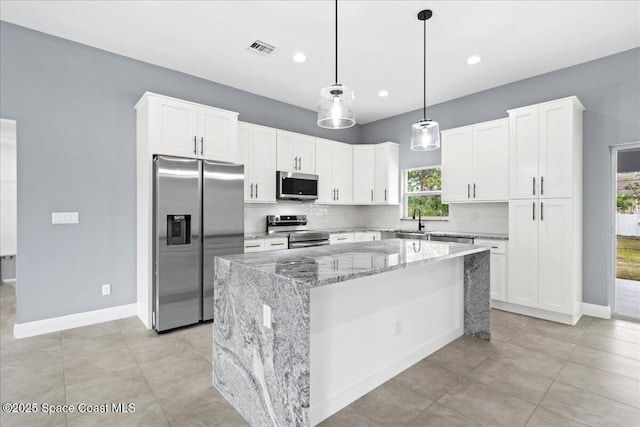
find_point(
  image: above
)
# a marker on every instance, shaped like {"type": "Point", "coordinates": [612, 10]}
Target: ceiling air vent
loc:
{"type": "Point", "coordinates": [261, 47]}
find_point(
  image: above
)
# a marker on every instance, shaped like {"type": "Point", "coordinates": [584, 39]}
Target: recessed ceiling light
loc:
{"type": "Point", "coordinates": [299, 57]}
{"type": "Point", "coordinates": [474, 59]}
{"type": "Point", "coordinates": [383, 93]}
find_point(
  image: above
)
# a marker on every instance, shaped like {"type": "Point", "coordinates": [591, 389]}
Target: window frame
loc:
{"type": "Point", "coordinates": [404, 215]}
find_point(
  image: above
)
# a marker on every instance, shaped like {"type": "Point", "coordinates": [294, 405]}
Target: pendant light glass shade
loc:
{"type": "Point", "coordinates": [336, 107]}
{"type": "Point", "coordinates": [425, 135]}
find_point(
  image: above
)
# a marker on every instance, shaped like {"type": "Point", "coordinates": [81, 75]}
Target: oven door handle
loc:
{"type": "Point", "coordinates": [296, 245]}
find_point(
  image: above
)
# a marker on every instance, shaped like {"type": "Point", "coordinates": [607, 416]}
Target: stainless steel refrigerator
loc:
{"type": "Point", "coordinates": [198, 214]}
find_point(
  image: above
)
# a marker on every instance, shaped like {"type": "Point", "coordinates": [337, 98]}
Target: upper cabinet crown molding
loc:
{"type": "Point", "coordinates": [475, 161]}
{"type": "Point", "coordinates": [187, 129]}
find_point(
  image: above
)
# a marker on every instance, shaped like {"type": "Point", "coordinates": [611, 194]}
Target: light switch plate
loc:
{"type": "Point", "coordinates": [65, 217]}
{"type": "Point", "coordinates": [266, 316]}
{"type": "Point", "coordinates": [106, 289]}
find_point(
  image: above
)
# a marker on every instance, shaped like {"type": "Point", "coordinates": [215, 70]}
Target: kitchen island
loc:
{"type": "Point", "coordinates": [300, 334]}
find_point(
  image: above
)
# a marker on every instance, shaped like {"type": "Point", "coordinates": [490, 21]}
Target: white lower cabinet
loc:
{"type": "Point", "coordinates": [366, 236]}
{"type": "Point", "coordinates": [498, 267]}
{"type": "Point", "coordinates": [262, 245]}
{"type": "Point", "coordinates": [253, 245]}
{"type": "Point", "coordinates": [339, 238]}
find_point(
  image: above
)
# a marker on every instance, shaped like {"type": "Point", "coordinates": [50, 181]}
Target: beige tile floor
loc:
{"type": "Point", "coordinates": [533, 373]}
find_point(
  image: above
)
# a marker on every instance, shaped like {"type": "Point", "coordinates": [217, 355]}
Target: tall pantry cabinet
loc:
{"type": "Point", "coordinates": [545, 211]}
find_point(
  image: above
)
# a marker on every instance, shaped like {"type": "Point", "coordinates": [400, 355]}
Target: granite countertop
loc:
{"type": "Point", "coordinates": [476, 235]}
{"type": "Point", "coordinates": [324, 265]}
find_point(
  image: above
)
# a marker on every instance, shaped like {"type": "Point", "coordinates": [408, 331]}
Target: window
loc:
{"type": "Point", "coordinates": [422, 189]}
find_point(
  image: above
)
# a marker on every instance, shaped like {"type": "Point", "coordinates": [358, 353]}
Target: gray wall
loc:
{"type": "Point", "coordinates": [629, 160]}
{"type": "Point", "coordinates": [608, 87]}
{"type": "Point", "coordinates": [76, 152]}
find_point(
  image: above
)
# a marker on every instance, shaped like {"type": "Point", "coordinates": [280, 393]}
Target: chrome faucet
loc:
{"type": "Point", "coordinates": [420, 224]}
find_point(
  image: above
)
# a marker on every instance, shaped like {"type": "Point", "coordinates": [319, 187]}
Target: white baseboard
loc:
{"type": "Point", "coordinates": [551, 316]}
{"type": "Point", "coordinates": [594, 310]}
{"type": "Point", "coordinates": [55, 324]}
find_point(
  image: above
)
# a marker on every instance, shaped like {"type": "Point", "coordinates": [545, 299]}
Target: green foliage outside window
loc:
{"type": "Point", "coordinates": [423, 187]}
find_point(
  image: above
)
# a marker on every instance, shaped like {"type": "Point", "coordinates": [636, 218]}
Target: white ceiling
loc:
{"type": "Point", "coordinates": [380, 42]}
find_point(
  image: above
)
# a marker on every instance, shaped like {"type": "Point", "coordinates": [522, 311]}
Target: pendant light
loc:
{"type": "Point", "coordinates": [336, 101]}
{"type": "Point", "coordinates": [425, 134]}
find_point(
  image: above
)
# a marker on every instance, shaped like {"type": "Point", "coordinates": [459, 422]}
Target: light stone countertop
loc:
{"type": "Point", "coordinates": [324, 265]}
{"type": "Point", "coordinates": [476, 235]}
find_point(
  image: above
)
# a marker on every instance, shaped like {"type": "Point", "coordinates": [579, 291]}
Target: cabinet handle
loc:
{"type": "Point", "coordinates": [534, 185]}
{"type": "Point", "coordinates": [474, 190]}
{"type": "Point", "coordinates": [494, 247]}
{"type": "Point", "coordinates": [468, 191]}
{"type": "Point", "coordinates": [252, 191]}
{"type": "Point", "coordinates": [299, 163]}
{"type": "Point", "coordinates": [251, 246]}
{"type": "Point", "coordinates": [195, 145]}
{"type": "Point", "coordinates": [342, 238]}
{"type": "Point", "coordinates": [541, 211]}
{"type": "Point", "coordinates": [276, 244]}
{"type": "Point", "coordinates": [337, 194]}
{"type": "Point", "coordinates": [295, 163]}
{"type": "Point", "coordinates": [385, 194]}
{"type": "Point", "coordinates": [202, 145]}
{"type": "Point", "coordinates": [542, 185]}
{"type": "Point", "coordinates": [372, 195]}
{"type": "Point", "coordinates": [256, 190]}
{"type": "Point", "coordinates": [534, 211]}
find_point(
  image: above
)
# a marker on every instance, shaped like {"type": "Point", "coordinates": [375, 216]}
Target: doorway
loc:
{"type": "Point", "coordinates": [626, 231]}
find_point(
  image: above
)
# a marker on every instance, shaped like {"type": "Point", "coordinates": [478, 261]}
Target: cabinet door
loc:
{"type": "Point", "coordinates": [264, 164]}
{"type": "Point", "coordinates": [337, 239]}
{"type": "Point", "coordinates": [343, 172]}
{"type": "Point", "coordinates": [256, 245]}
{"type": "Point", "coordinates": [245, 134]}
{"type": "Point", "coordinates": [457, 165]}
{"type": "Point", "coordinates": [556, 149]}
{"type": "Point", "coordinates": [387, 174]}
{"type": "Point", "coordinates": [490, 161]}
{"type": "Point", "coordinates": [173, 128]}
{"type": "Point", "coordinates": [364, 237]}
{"type": "Point", "coordinates": [286, 161]}
{"type": "Point", "coordinates": [363, 174]}
{"type": "Point", "coordinates": [305, 149]}
{"type": "Point", "coordinates": [556, 256]}
{"type": "Point", "coordinates": [523, 153]}
{"type": "Point", "coordinates": [217, 134]}
{"type": "Point", "coordinates": [324, 168]}
{"type": "Point", "coordinates": [523, 252]}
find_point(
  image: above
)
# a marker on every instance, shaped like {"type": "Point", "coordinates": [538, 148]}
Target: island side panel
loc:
{"type": "Point", "coordinates": [262, 372]}
{"type": "Point", "coordinates": [477, 299]}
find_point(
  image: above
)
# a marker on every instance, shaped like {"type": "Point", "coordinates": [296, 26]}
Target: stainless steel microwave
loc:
{"type": "Point", "coordinates": [296, 186]}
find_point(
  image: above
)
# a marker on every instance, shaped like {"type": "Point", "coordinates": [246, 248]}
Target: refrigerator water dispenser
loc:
{"type": "Point", "coordinates": [178, 230]}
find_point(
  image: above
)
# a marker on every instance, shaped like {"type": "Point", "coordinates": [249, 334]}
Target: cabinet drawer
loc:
{"type": "Point", "coordinates": [276, 244]}
{"type": "Point", "coordinates": [254, 245]}
{"type": "Point", "coordinates": [336, 239]}
{"type": "Point", "coordinates": [496, 246]}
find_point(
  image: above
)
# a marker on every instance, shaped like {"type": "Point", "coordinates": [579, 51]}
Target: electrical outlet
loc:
{"type": "Point", "coordinates": [106, 289]}
{"type": "Point", "coordinates": [398, 327]}
{"type": "Point", "coordinates": [266, 316]}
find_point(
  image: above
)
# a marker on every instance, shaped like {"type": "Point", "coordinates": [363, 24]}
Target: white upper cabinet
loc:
{"type": "Point", "coordinates": [544, 140]}
{"type": "Point", "coordinates": [457, 164]}
{"type": "Point", "coordinates": [216, 129]}
{"type": "Point", "coordinates": [257, 151]}
{"type": "Point", "coordinates": [363, 174]}
{"type": "Point", "coordinates": [182, 128]}
{"type": "Point", "coordinates": [387, 174]}
{"type": "Point", "coordinates": [295, 152]}
{"type": "Point", "coordinates": [475, 162]}
{"type": "Point", "coordinates": [334, 167]}
{"type": "Point", "coordinates": [491, 161]}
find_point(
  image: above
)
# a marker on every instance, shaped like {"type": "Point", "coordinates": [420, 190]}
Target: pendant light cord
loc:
{"type": "Point", "coordinates": [424, 99]}
{"type": "Point", "coordinates": [336, 41]}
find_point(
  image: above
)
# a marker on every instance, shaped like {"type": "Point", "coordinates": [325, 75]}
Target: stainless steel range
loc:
{"type": "Point", "coordinates": [295, 228]}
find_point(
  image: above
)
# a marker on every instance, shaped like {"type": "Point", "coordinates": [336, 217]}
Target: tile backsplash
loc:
{"type": "Point", "coordinates": [477, 217]}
